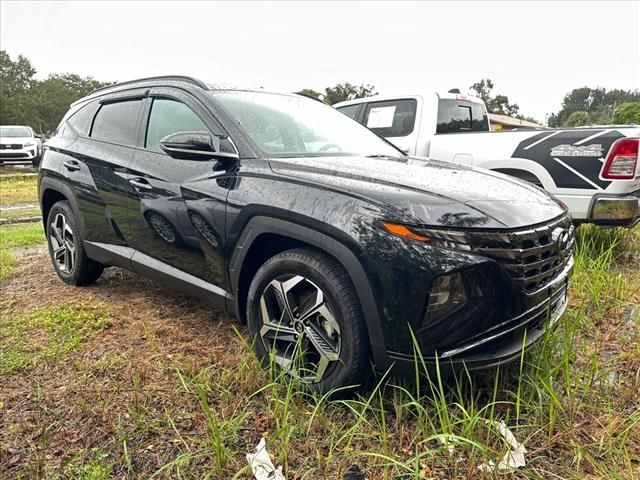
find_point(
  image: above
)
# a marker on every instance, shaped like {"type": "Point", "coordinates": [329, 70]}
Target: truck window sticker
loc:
{"type": "Point", "coordinates": [381, 117]}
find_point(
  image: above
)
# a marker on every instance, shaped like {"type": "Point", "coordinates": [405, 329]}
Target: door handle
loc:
{"type": "Point", "coordinates": [140, 183]}
{"type": "Point", "coordinates": [71, 165]}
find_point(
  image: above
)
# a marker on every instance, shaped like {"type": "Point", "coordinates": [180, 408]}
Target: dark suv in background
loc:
{"type": "Point", "coordinates": [334, 247]}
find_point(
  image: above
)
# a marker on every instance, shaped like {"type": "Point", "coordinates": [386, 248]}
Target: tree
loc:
{"type": "Point", "coordinates": [50, 99]}
{"type": "Point", "coordinates": [308, 92]}
{"type": "Point", "coordinates": [599, 103]}
{"type": "Point", "coordinates": [627, 113]}
{"type": "Point", "coordinates": [498, 104]}
{"type": "Point", "coordinates": [38, 103]}
{"type": "Point", "coordinates": [578, 119]}
{"type": "Point", "coordinates": [15, 77]}
{"type": "Point", "coordinates": [347, 91]}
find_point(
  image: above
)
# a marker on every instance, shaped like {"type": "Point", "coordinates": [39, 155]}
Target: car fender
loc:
{"type": "Point", "coordinates": [259, 225]}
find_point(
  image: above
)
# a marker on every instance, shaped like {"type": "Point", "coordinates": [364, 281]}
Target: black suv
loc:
{"type": "Point", "coordinates": [336, 248]}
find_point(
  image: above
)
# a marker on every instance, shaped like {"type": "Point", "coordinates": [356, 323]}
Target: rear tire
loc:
{"type": "Point", "coordinates": [317, 334]}
{"type": "Point", "coordinates": [66, 248]}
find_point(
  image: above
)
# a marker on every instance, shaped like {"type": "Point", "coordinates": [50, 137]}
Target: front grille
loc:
{"type": "Point", "coordinates": [533, 256]}
{"type": "Point", "coordinates": [6, 154]}
{"type": "Point", "coordinates": [12, 146]}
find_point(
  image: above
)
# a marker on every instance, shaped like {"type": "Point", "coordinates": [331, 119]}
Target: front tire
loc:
{"type": "Point", "coordinates": [66, 248]}
{"type": "Point", "coordinates": [303, 313]}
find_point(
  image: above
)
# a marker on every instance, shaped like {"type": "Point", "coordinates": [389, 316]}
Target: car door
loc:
{"type": "Point", "coordinates": [395, 120]}
{"type": "Point", "coordinates": [178, 211]}
{"type": "Point", "coordinates": [96, 165]}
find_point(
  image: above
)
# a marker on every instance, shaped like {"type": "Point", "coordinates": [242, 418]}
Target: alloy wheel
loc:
{"type": "Point", "coordinates": [62, 244]}
{"type": "Point", "coordinates": [298, 327]}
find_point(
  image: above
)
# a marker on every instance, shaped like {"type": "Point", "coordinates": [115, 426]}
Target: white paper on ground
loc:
{"type": "Point", "coordinates": [261, 464]}
{"type": "Point", "coordinates": [512, 459]}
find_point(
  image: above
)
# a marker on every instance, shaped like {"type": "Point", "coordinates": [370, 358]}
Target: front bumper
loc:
{"type": "Point", "coordinates": [615, 210]}
{"type": "Point", "coordinates": [502, 344]}
{"type": "Point", "coordinates": [24, 154]}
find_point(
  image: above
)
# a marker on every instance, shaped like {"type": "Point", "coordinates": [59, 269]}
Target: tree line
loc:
{"type": "Point", "coordinates": [41, 104]}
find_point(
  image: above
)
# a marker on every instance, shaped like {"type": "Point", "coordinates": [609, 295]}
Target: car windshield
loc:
{"type": "Point", "coordinates": [14, 132]}
{"type": "Point", "coordinates": [291, 126]}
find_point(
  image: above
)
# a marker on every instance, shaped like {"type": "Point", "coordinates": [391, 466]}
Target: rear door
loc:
{"type": "Point", "coordinates": [396, 120]}
{"type": "Point", "coordinates": [96, 165]}
{"type": "Point", "coordinates": [178, 210]}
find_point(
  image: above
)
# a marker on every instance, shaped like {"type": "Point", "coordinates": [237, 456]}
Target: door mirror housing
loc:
{"type": "Point", "coordinates": [194, 146]}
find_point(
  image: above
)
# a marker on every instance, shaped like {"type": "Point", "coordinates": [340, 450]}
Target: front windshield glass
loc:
{"type": "Point", "coordinates": [14, 132]}
{"type": "Point", "coordinates": [291, 126]}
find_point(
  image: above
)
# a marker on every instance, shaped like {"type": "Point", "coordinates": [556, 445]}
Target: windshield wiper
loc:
{"type": "Point", "coordinates": [383, 156]}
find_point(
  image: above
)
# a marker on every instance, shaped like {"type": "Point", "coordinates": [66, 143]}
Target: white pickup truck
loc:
{"type": "Point", "coordinates": [593, 170]}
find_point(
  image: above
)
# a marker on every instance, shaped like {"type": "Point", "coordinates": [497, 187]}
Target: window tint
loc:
{"type": "Point", "coordinates": [461, 116]}
{"type": "Point", "coordinates": [167, 117]}
{"type": "Point", "coordinates": [117, 122]}
{"type": "Point", "coordinates": [81, 120]}
{"type": "Point", "coordinates": [394, 118]}
{"type": "Point", "coordinates": [349, 110]}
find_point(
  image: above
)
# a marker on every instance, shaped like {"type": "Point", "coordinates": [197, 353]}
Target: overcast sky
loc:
{"type": "Point", "coordinates": [534, 52]}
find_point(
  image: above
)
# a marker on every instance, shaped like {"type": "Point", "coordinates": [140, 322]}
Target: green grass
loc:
{"type": "Point", "coordinates": [18, 189]}
{"type": "Point", "coordinates": [98, 468]}
{"type": "Point", "coordinates": [21, 235]}
{"type": "Point", "coordinates": [17, 235]}
{"type": "Point", "coordinates": [559, 399]}
{"type": "Point", "coordinates": [8, 264]}
{"type": "Point", "coordinates": [45, 334]}
{"type": "Point", "coordinates": [20, 213]}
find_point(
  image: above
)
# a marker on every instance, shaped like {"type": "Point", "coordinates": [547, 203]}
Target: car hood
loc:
{"type": "Point", "coordinates": [16, 140]}
{"type": "Point", "coordinates": [429, 192]}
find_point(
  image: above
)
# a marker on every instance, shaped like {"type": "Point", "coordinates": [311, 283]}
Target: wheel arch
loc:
{"type": "Point", "coordinates": [53, 191]}
{"type": "Point", "coordinates": [264, 237]}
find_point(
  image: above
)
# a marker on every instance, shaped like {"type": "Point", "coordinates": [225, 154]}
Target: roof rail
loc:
{"type": "Point", "coordinates": [179, 78]}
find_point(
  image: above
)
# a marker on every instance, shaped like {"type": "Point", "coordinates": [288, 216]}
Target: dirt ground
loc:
{"type": "Point", "coordinates": [63, 411]}
{"type": "Point", "coordinates": [168, 388]}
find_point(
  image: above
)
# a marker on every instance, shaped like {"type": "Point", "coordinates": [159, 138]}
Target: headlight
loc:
{"type": "Point", "coordinates": [447, 294]}
{"type": "Point", "coordinates": [29, 144]}
{"type": "Point", "coordinates": [449, 239]}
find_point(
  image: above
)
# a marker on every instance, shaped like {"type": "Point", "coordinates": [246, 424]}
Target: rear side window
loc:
{"type": "Point", "coordinates": [167, 117]}
{"type": "Point", "coordinates": [395, 118]}
{"type": "Point", "coordinates": [349, 110]}
{"type": "Point", "coordinates": [117, 122]}
{"type": "Point", "coordinates": [81, 120]}
{"type": "Point", "coordinates": [456, 116]}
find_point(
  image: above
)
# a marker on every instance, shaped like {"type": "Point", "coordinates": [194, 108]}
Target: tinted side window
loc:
{"type": "Point", "coordinates": [394, 118]}
{"type": "Point", "coordinates": [167, 117]}
{"type": "Point", "coordinates": [117, 122]}
{"type": "Point", "coordinates": [81, 120]}
{"type": "Point", "coordinates": [460, 116]}
{"type": "Point", "coordinates": [349, 110]}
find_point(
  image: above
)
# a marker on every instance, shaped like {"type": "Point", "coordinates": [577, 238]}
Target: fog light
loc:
{"type": "Point", "coordinates": [447, 294]}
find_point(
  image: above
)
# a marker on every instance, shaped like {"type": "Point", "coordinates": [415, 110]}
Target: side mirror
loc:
{"type": "Point", "coordinates": [194, 146]}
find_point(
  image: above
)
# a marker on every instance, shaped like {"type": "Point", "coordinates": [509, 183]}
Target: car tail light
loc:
{"type": "Point", "coordinates": [622, 160]}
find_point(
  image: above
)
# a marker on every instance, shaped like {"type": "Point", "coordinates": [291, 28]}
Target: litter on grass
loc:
{"type": "Point", "coordinates": [261, 464]}
{"type": "Point", "coordinates": [513, 459]}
